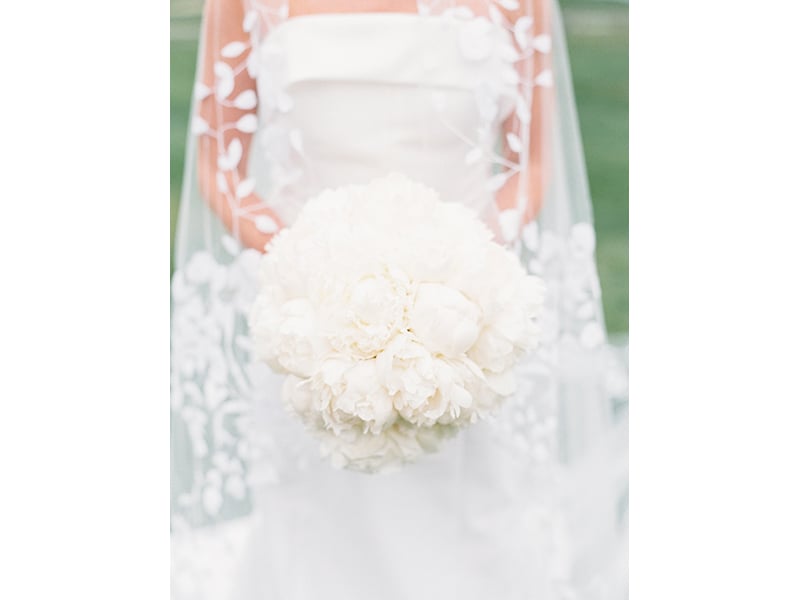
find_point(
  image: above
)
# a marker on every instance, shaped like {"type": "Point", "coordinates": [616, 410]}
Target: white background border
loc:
{"type": "Point", "coordinates": [84, 430]}
{"type": "Point", "coordinates": [715, 300]}
{"type": "Point", "coordinates": [715, 317]}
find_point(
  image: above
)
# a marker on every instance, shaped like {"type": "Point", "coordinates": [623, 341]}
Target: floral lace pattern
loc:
{"type": "Point", "coordinates": [212, 383]}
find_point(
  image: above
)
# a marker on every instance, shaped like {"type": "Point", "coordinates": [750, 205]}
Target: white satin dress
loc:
{"type": "Point", "coordinates": [475, 521]}
{"type": "Point", "coordinates": [372, 93]}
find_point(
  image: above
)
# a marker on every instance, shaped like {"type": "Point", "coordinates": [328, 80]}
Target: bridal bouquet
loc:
{"type": "Point", "coordinates": [396, 317]}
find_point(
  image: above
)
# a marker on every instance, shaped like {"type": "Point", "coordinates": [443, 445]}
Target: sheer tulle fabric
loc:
{"type": "Point", "coordinates": [530, 505]}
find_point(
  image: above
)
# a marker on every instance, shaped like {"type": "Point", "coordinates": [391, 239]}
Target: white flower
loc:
{"type": "Point", "coordinates": [350, 395]}
{"type": "Point", "coordinates": [407, 370]}
{"type": "Point", "coordinates": [286, 337]}
{"type": "Point", "coordinates": [367, 312]}
{"type": "Point", "coordinates": [511, 301]}
{"type": "Point", "coordinates": [444, 320]}
{"type": "Point", "coordinates": [428, 390]}
{"type": "Point", "coordinates": [453, 400]}
{"type": "Point", "coordinates": [397, 318]}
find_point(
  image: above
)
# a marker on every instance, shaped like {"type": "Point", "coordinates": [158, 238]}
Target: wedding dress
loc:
{"type": "Point", "coordinates": [530, 505]}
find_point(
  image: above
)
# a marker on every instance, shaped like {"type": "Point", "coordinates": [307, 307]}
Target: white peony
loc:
{"type": "Point", "coordinates": [444, 320]}
{"type": "Point", "coordinates": [397, 318]}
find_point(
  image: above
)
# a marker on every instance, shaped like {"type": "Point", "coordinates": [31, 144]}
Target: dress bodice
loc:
{"type": "Point", "coordinates": [349, 97]}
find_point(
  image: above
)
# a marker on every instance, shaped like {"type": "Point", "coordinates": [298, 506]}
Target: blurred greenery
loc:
{"type": "Point", "coordinates": [597, 34]}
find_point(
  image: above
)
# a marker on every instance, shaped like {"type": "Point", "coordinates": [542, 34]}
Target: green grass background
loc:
{"type": "Point", "coordinates": [597, 34]}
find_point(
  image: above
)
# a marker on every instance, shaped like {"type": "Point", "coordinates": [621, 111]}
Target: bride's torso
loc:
{"type": "Point", "coordinates": [346, 98]}
{"type": "Point", "coordinates": [351, 96]}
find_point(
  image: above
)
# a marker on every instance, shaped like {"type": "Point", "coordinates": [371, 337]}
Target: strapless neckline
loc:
{"type": "Point", "coordinates": [388, 19]}
{"type": "Point", "coordinates": [362, 16]}
{"type": "Point", "coordinates": [354, 96]}
{"type": "Point", "coordinates": [401, 47]}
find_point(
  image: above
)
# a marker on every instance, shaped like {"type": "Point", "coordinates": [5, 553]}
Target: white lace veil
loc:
{"type": "Point", "coordinates": [247, 173]}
